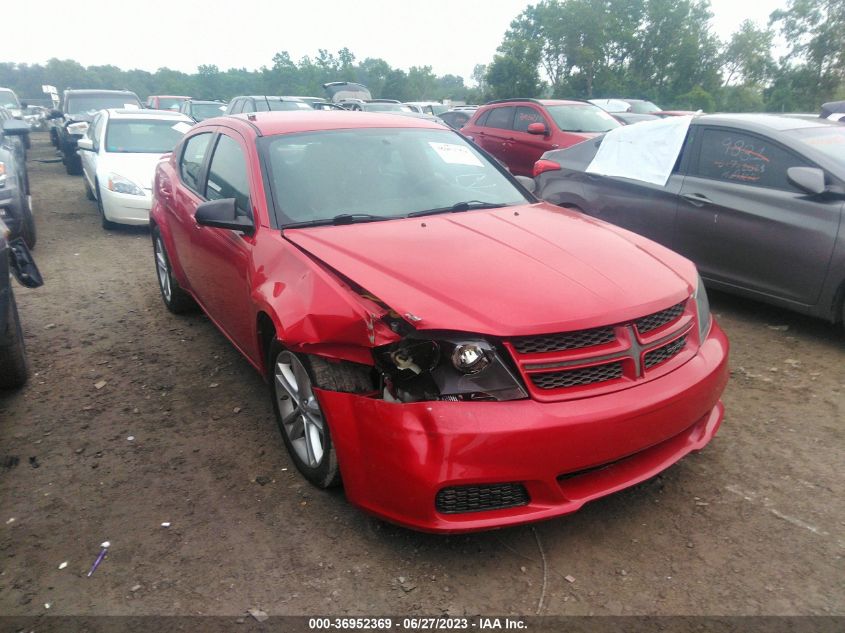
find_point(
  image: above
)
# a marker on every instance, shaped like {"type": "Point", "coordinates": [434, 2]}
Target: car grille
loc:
{"type": "Point", "coordinates": [457, 499]}
{"type": "Point", "coordinates": [560, 365]}
{"type": "Point", "coordinates": [662, 354]}
{"type": "Point", "coordinates": [659, 319]}
{"type": "Point", "coordinates": [578, 377]}
{"type": "Point", "coordinates": [563, 341]}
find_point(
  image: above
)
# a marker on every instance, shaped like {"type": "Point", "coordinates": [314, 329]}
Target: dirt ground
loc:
{"type": "Point", "coordinates": [754, 524]}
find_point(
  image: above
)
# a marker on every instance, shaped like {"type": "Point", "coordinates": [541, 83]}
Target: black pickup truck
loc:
{"type": "Point", "coordinates": [78, 107]}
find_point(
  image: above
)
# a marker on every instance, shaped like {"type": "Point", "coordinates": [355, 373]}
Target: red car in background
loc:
{"type": "Point", "coordinates": [460, 354]}
{"type": "Point", "coordinates": [519, 131]}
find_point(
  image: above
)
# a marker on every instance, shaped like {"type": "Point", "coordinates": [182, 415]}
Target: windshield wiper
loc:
{"type": "Point", "coordinates": [342, 218]}
{"type": "Point", "coordinates": [467, 205]}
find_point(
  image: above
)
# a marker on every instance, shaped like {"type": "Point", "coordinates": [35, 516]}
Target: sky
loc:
{"type": "Point", "coordinates": [451, 36]}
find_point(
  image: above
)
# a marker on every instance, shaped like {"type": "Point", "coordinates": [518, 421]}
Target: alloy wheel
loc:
{"type": "Point", "coordinates": [299, 412]}
{"type": "Point", "coordinates": [163, 269]}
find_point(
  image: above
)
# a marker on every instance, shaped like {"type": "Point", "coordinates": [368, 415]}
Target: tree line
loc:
{"type": "Point", "coordinates": [663, 50]}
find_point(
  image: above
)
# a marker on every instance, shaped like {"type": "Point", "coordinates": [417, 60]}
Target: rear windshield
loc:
{"type": "Point", "coordinates": [144, 137]}
{"type": "Point", "coordinates": [89, 104]}
{"type": "Point", "coordinates": [170, 103]}
{"type": "Point", "coordinates": [8, 99]}
{"type": "Point", "coordinates": [829, 140]}
{"type": "Point", "coordinates": [582, 118]}
{"type": "Point", "coordinates": [643, 107]}
{"type": "Point", "coordinates": [385, 107]}
{"type": "Point", "coordinates": [203, 111]}
{"type": "Point", "coordinates": [278, 106]}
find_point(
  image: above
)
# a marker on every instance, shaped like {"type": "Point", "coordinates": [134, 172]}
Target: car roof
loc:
{"type": "Point", "coordinates": [169, 96]}
{"type": "Point", "coordinates": [544, 102]}
{"type": "Point", "coordinates": [272, 123]}
{"type": "Point", "coordinates": [98, 91]}
{"type": "Point", "coordinates": [761, 122]}
{"type": "Point", "coordinates": [128, 113]}
{"type": "Point", "coordinates": [279, 97]}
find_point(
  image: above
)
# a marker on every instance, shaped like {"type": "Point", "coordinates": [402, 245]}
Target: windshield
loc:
{"type": "Point", "coordinates": [386, 107]}
{"type": "Point", "coordinates": [170, 103]}
{"type": "Point", "coordinates": [203, 111]}
{"type": "Point", "coordinates": [89, 104]}
{"type": "Point", "coordinates": [277, 106]}
{"type": "Point", "coordinates": [386, 173]}
{"type": "Point", "coordinates": [144, 137]}
{"type": "Point", "coordinates": [582, 118]}
{"type": "Point", "coordinates": [643, 107]}
{"type": "Point", "coordinates": [8, 99]}
{"type": "Point", "coordinates": [829, 140]}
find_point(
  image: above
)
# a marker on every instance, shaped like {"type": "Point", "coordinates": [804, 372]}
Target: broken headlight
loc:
{"type": "Point", "coordinates": [449, 367]}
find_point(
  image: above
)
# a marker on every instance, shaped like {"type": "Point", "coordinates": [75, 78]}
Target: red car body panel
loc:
{"type": "Point", "coordinates": [325, 290]}
{"type": "Point", "coordinates": [520, 150]}
{"type": "Point", "coordinates": [538, 247]}
{"type": "Point", "coordinates": [404, 453]}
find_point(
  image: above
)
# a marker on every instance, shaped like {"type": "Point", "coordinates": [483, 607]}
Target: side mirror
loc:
{"type": "Point", "coordinates": [809, 179]}
{"type": "Point", "coordinates": [23, 266]}
{"type": "Point", "coordinates": [526, 182]}
{"type": "Point", "coordinates": [55, 114]}
{"type": "Point", "coordinates": [86, 144]}
{"type": "Point", "coordinates": [15, 127]}
{"type": "Point", "coordinates": [537, 128]}
{"type": "Point", "coordinates": [223, 214]}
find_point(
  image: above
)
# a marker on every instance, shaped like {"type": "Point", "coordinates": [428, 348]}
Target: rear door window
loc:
{"type": "Point", "coordinates": [501, 118]}
{"type": "Point", "coordinates": [227, 174]}
{"type": "Point", "coordinates": [734, 156]}
{"type": "Point", "coordinates": [193, 155]}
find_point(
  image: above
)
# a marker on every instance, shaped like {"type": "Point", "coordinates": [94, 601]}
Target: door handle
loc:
{"type": "Point", "coordinates": [696, 199]}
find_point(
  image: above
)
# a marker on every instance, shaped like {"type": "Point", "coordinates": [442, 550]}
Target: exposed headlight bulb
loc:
{"type": "Point", "coordinates": [469, 358]}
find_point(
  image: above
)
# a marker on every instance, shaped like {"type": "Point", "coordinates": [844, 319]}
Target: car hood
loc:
{"type": "Point", "coordinates": [139, 168]}
{"type": "Point", "coordinates": [511, 271]}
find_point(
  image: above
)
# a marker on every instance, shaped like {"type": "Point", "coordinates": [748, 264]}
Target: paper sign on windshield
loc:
{"type": "Point", "coordinates": [455, 154]}
{"type": "Point", "coordinates": [130, 106]}
{"type": "Point", "coordinates": [181, 127]}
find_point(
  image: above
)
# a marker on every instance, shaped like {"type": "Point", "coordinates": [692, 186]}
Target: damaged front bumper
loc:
{"type": "Point", "coordinates": [539, 459]}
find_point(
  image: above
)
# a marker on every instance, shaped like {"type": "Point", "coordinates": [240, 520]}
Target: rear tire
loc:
{"type": "Point", "coordinates": [13, 364]}
{"type": "Point", "coordinates": [175, 298]}
{"type": "Point", "coordinates": [73, 164]}
{"type": "Point", "coordinates": [28, 223]}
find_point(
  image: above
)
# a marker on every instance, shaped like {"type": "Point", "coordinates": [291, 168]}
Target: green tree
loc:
{"type": "Point", "coordinates": [747, 58]}
{"type": "Point", "coordinates": [815, 63]}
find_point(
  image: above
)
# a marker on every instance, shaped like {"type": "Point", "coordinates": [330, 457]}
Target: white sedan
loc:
{"type": "Point", "coordinates": [119, 154]}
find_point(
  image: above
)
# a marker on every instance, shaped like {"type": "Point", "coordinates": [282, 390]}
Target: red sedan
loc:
{"type": "Point", "coordinates": [462, 355]}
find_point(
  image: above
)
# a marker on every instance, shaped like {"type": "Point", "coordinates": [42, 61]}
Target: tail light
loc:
{"type": "Point", "coordinates": [544, 165]}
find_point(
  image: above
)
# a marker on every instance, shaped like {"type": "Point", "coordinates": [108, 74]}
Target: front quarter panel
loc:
{"type": "Point", "coordinates": [312, 308]}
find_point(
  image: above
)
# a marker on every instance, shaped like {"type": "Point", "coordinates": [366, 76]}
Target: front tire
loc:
{"type": "Point", "coordinates": [304, 428]}
{"type": "Point", "coordinates": [175, 298]}
{"type": "Point", "coordinates": [107, 224]}
{"type": "Point", "coordinates": [13, 365]}
{"type": "Point", "coordinates": [89, 193]}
